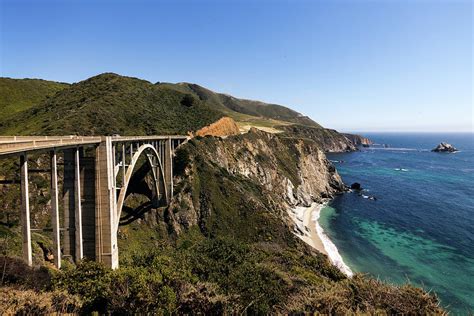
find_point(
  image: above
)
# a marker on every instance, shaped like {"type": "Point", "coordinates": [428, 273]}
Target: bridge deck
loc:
{"type": "Point", "coordinates": [13, 145]}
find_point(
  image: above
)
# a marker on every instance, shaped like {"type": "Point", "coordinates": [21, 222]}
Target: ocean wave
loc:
{"type": "Point", "coordinates": [329, 246]}
{"type": "Point", "coordinates": [396, 149]}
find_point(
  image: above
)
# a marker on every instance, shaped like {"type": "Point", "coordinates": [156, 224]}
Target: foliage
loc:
{"type": "Point", "coordinates": [17, 95]}
{"type": "Point", "coordinates": [111, 104]}
{"type": "Point", "coordinates": [15, 301]}
{"type": "Point", "coordinates": [242, 110]}
{"type": "Point", "coordinates": [188, 100]}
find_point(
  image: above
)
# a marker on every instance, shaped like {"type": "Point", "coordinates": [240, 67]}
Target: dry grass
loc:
{"type": "Point", "coordinates": [15, 301]}
{"type": "Point", "coordinates": [361, 295]}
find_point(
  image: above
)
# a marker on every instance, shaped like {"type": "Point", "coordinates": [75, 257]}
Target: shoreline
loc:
{"type": "Point", "coordinates": [308, 229]}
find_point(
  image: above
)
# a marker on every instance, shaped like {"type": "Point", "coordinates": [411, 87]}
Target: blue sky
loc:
{"type": "Point", "coordinates": [350, 65]}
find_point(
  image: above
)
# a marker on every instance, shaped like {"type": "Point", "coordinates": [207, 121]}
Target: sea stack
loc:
{"type": "Point", "coordinates": [444, 148]}
{"type": "Point", "coordinates": [356, 186]}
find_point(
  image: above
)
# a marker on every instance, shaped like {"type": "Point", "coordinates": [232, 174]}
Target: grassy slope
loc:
{"type": "Point", "coordinates": [271, 118]}
{"type": "Point", "coordinates": [245, 112]}
{"type": "Point", "coordinates": [17, 95]}
{"type": "Point", "coordinates": [111, 104]}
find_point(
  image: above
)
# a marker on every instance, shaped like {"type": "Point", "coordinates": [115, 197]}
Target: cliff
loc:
{"type": "Point", "coordinates": [328, 140]}
{"type": "Point", "coordinates": [282, 172]}
{"type": "Point", "coordinates": [358, 140]}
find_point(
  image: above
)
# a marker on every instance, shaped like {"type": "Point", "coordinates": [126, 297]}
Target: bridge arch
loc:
{"type": "Point", "coordinates": [157, 172]}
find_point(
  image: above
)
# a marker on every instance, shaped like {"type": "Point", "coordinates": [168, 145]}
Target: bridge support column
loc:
{"type": "Point", "coordinates": [25, 211]}
{"type": "Point", "coordinates": [55, 211]}
{"type": "Point", "coordinates": [78, 206]}
{"type": "Point", "coordinates": [168, 166]}
{"type": "Point", "coordinates": [106, 210]}
{"type": "Point", "coordinates": [69, 205]}
{"type": "Point", "coordinates": [88, 206]}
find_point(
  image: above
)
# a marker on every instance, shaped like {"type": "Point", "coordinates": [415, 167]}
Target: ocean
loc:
{"type": "Point", "coordinates": [420, 228]}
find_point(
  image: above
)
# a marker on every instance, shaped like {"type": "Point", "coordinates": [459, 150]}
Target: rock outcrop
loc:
{"type": "Point", "coordinates": [358, 140]}
{"type": "Point", "coordinates": [356, 186]}
{"type": "Point", "coordinates": [223, 127]}
{"type": "Point", "coordinates": [444, 148]}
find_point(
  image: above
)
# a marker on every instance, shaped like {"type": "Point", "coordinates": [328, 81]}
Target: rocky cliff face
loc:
{"type": "Point", "coordinates": [358, 140]}
{"type": "Point", "coordinates": [328, 140]}
{"type": "Point", "coordinates": [250, 177]}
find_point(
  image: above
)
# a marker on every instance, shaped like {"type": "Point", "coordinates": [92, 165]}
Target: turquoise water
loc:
{"type": "Point", "coordinates": [421, 227]}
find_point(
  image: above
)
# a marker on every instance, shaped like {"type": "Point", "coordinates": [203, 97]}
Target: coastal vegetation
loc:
{"type": "Point", "coordinates": [225, 244]}
{"type": "Point", "coordinates": [18, 95]}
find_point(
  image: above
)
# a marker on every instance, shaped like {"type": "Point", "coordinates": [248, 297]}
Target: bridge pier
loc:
{"type": "Point", "coordinates": [168, 166]}
{"type": "Point", "coordinates": [25, 210]}
{"type": "Point", "coordinates": [106, 211]}
{"type": "Point", "coordinates": [79, 252]}
{"type": "Point", "coordinates": [55, 210]}
{"type": "Point", "coordinates": [88, 191]}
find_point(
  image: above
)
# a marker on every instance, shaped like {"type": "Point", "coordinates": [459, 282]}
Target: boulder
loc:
{"type": "Point", "coordinates": [356, 186]}
{"type": "Point", "coordinates": [444, 147]}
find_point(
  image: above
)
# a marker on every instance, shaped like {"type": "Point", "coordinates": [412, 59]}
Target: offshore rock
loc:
{"type": "Point", "coordinates": [444, 147]}
{"type": "Point", "coordinates": [356, 186]}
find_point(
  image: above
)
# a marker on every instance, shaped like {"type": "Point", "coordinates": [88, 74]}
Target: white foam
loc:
{"type": "Point", "coordinates": [329, 246]}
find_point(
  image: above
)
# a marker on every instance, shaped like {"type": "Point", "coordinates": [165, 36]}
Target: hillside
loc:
{"type": "Point", "coordinates": [17, 95]}
{"type": "Point", "coordinates": [111, 104]}
{"type": "Point", "coordinates": [244, 111]}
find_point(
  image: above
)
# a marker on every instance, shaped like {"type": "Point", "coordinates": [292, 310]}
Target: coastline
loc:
{"type": "Point", "coordinates": [308, 229]}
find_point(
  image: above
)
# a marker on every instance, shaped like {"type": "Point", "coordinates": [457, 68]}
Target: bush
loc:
{"type": "Point", "coordinates": [188, 100]}
{"type": "Point", "coordinates": [90, 280]}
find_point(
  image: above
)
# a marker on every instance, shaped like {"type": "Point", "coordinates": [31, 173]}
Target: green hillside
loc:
{"type": "Point", "coordinates": [111, 104]}
{"type": "Point", "coordinates": [244, 111]}
{"type": "Point", "coordinates": [17, 95]}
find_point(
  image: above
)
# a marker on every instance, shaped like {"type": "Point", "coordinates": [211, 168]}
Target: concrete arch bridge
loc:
{"type": "Point", "coordinates": [96, 175]}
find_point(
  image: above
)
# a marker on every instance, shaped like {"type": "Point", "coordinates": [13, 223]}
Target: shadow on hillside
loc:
{"type": "Point", "coordinates": [132, 214]}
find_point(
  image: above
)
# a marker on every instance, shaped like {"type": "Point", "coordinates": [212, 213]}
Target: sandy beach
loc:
{"type": "Point", "coordinates": [303, 218]}
{"type": "Point", "coordinates": [308, 229]}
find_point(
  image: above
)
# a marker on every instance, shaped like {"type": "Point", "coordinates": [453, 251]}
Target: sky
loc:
{"type": "Point", "coordinates": [383, 65]}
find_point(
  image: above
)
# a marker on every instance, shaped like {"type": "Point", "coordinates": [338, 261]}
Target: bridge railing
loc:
{"type": "Point", "coordinates": [16, 144]}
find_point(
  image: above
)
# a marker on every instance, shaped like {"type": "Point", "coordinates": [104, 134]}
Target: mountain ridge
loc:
{"type": "Point", "coordinates": [109, 104]}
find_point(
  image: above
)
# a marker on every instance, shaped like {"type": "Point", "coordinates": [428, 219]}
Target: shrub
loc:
{"type": "Point", "coordinates": [188, 100]}
{"type": "Point", "coordinates": [90, 280]}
